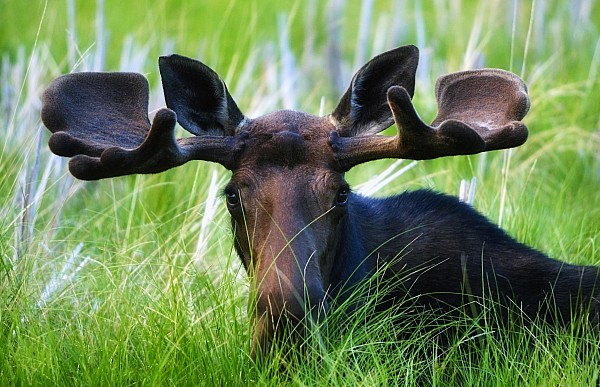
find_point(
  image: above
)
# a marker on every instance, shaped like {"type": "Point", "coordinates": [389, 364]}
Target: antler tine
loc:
{"type": "Point", "coordinates": [478, 111]}
{"type": "Point", "coordinates": [101, 121]}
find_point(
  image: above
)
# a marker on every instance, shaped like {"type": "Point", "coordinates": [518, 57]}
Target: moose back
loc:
{"type": "Point", "coordinates": [306, 240]}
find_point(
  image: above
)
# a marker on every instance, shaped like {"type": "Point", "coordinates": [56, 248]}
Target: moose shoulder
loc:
{"type": "Point", "coordinates": [306, 240]}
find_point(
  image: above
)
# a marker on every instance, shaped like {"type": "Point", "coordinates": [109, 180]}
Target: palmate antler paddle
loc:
{"type": "Point", "coordinates": [478, 111]}
{"type": "Point", "coordinates": [100, 120]}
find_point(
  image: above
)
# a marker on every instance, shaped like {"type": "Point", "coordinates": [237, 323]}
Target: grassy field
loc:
{"type": "Point", "coordinates": [133, 281]}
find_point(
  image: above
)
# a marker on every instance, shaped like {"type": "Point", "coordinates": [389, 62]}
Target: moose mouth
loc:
{"type": "Point", "coordinates": [289, 326]}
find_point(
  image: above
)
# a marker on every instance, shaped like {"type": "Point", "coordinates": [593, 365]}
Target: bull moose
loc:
{"type": "Point", "coordinates": [304, 237]}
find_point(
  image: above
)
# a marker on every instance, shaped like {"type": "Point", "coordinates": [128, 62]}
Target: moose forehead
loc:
{"type": "Point", "coordinates": [288, 138]}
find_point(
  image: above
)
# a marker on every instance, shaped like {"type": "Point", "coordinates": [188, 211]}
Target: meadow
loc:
{"type": "Point", "coordinates": [134, 280]}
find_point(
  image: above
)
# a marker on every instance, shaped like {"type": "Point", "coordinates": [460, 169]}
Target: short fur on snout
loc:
{"type": "Point", "coordinates": [306, 240]}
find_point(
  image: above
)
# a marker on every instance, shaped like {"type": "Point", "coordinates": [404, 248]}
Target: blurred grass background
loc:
{"type": "Point", "coordinates": [133, 280]}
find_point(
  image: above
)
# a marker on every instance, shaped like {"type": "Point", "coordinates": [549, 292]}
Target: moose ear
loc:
{"type": "Point", "coordinates": [364, 108]}
{"type": "Point", "coordinates": [198, 96]}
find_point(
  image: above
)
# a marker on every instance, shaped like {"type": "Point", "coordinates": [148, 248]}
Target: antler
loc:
{"type": "Point", "coordinates": [101, 121]}
{"type": "Point", "coordinates": [478, 111]}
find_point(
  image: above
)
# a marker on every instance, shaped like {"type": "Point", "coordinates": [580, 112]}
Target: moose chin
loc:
{"type": "Point", "coordinates": [306, 240]}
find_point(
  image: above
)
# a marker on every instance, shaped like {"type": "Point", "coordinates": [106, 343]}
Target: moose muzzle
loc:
{"type": "Point", "coordinates": [288, 290]}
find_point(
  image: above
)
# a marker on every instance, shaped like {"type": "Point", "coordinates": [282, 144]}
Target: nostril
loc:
{"type": "Point", "coordinates": [285, 326]}
{"type": "Point", "coordinates": [291, 304]}
{"type": "Point", "coordinates": [287, 312]}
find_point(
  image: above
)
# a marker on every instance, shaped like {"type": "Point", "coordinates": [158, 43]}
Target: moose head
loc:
{"type": "Point", "coordinates": [301, 233]}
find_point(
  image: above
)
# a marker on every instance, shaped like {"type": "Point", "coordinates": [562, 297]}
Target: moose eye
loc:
{"type": "Point", "coordinates": [232, 198]}
{"type": "Point", "coordinates": [342, 196]}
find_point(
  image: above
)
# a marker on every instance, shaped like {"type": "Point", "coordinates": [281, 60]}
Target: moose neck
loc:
{"type": "Point", "coordinates": [352, 251]}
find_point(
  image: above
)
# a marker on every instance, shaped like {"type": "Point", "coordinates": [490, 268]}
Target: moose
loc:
{"type": "Point", "coordinates": [305, 238]}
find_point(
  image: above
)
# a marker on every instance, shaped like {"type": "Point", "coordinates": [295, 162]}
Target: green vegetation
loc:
{"type": "Point", "coordinates": [134, 280]}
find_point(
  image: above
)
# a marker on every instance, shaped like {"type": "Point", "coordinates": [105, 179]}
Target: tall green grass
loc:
{"type": "Point", "coordinates": [134, 281]}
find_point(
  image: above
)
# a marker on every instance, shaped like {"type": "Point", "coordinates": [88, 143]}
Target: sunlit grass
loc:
{"type": "Point", "coordinates": [134, 280]}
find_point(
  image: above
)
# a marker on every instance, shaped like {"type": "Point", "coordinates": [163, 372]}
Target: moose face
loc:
{"type": "Point", "coordinates": [286, 202]}
{"type": "Point", "coordinates": [287, 196]}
